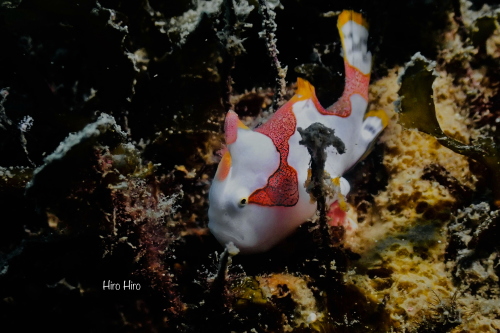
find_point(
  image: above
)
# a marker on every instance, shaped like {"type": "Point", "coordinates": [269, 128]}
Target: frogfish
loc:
{"type": "Point", "coordinates": [258, 195]}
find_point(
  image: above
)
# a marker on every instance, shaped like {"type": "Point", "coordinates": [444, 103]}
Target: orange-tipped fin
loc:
{"type": "Point", "coordinates": [350, 15]}
{"type": "Point", "coordinates": [379, 114]}
{"type": "Point", "coordinates": [305, 90]}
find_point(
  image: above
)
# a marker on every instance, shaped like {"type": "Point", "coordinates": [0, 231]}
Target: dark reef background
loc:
{"type": "Point", "coordinates": [128, 200]}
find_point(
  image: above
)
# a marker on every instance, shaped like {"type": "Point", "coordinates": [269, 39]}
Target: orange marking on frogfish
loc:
{"type": "Point", "coordinates": [224, 166]}
{"type": "Point", "coordinates": [355, 83]}
{"type": "Point", "coordinates": [282, 188]}
{"type": "Point", "coordinates": [349, 15]}
{"type": "Point", "coordinates": [305, 90]}
{"type": "Point", "coordinates": [241, 125]}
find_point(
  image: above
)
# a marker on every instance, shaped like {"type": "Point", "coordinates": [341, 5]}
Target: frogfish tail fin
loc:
{"type": "Point", "coordinates": [353, 30]}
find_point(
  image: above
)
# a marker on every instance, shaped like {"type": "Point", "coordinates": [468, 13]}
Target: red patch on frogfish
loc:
{"type": "Point", "coordinates": [282, 188]}
{"type": "Point", "coordinates": [355, 83]}
{"type": "Point", "coordinates": [337, 215]}
{"type": "Point", "coordinates": [231, 127]}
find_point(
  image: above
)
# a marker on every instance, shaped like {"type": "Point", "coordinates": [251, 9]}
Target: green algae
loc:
{"type": "Point", "coordinates": [417, 110]}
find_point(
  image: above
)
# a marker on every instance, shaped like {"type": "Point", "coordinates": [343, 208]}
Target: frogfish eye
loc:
{"type": "Point", "coordinates": [243, 202]}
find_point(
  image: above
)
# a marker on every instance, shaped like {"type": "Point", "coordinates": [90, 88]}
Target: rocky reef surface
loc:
{"type": "Point", "coordinates": [111, 116]}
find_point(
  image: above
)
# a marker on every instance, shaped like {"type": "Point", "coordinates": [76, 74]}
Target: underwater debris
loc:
{"type": "Point", "coordinates": [219, 282]}
{"type": "Point", "coordinates": [10, 4]}
{"type": "Point", "coordinates": [473, 260]}
{"type": "Point", "coordinates": [9, 132]}
{"type": "Point", "coordinates": [266, 10]}
{"type": "Point", "coordinates": [446, 312]}
{"type": "Point", "coordinates": [74, 149]}
{"type": "Point", "coordinates": [473, 233]}
{"type": "Point", "coordinates": [442, 316]}
{"type": "Point", "coordinates": [476, 26]}
{"type": "Point", "coordinates": [179, 28]}
{"type": "Point", "coordinates": [215, 303]}
{"type": "Point", "coordinates": [317, 137]}
{"type": "Point", "coordinates": [437, 173]}
{"type": "Point", "coordinates": [141, 221]}
{"type": "Point", "coordinates": [484, 28]}
{"type": "Point", "coordinates": [234, 15]}
{"type": "Point", "coordinates": [3, 117]}
{"type": "Point", "coordinates": [230, 26]}
{"type": "Point", "coordinates": [106, 219]}
{"type": "Point", "coordinates": [283, 288]}
{"type": "Point", "coordinates": [247, 290]}
{"type": "Point", "coordinates": [417, 110]}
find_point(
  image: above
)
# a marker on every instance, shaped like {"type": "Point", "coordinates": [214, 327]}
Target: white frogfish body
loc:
{"type": "Point", "coordinates": [258, 195]}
